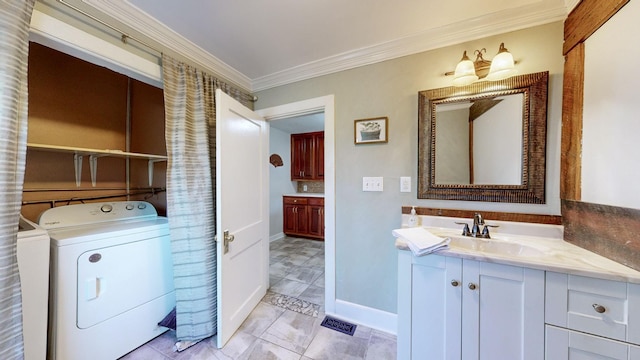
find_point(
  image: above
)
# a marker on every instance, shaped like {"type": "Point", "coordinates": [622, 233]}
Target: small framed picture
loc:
{"type": "Point", "coordinates": [369, 131]}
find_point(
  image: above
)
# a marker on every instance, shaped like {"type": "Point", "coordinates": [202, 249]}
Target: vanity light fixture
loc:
{"type": "Point", "coordinates": [468, 71]}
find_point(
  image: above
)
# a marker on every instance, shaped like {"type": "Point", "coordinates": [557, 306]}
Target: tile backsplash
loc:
{"type": "Point", "coordinates": [313, 187]}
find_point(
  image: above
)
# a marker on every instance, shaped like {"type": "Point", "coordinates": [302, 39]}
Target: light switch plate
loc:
{"type": "Point", "coordinates": [372, 183]}
{"type": "Point", "coordinates": [405, 184]}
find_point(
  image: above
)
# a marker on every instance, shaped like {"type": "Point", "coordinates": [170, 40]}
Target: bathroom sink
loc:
{"type": "Point", "coordinates": [497, 247]}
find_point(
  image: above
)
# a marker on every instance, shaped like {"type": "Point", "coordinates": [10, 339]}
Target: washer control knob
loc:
{"type": "Point", "coordinates": [129, 207]}
{"type": "Point", "coordinates": [142, 206]}
{"type": "Point", "coordinates": [106, 208]}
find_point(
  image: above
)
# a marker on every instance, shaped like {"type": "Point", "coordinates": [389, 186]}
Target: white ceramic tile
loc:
{"type": "Point", "coordinates": [292, 331]}
{"type": "Point", "coordinates": [304, 274]}
{"type": "Point", "coordinates": [144, 352]}
{"type": "Point", "coordinates": [238, 344]}
{"type": "Point", "coordinates": [319, 281]}
{"type": "Point", "coordinates": [264, 350]}
{"type": "Point", "coordinates": [329, 344]}
{"type": "Point", "coordinates": [289, 287]}
{"type": "Point", "coordinates": [381, 346]}
{"type": "Point", "coordinates": [260, 319]}
{"type": "Point", "coordinates": [313, 294]}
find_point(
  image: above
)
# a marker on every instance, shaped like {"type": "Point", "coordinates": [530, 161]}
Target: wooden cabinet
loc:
{"type": "Point", "coordinates": [307, 156]}
{"type": "Point", "coordinates": [316, 217]}
{"type": "Point", "coordinates": [296, 217]}
{"type": "Point", "coordinates": [303, 216]}
{"type": "Point", "coordinates": [451, 308]}
{"type": "Point", "coordinates": [319, 155]}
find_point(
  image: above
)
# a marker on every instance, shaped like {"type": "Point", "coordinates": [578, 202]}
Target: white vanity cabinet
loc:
{"type": "Point", "coordinates": [590, 318]}
{"type": "Point", "coordinates": [452, 308]}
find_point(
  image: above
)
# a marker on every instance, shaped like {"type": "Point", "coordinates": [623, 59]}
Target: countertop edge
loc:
{"type": "Point", "coordinates": [318, 195]}
{"type": "Point", "coordinates": [630, 275]}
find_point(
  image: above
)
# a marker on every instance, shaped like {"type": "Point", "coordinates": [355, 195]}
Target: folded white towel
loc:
{"type": "Point", "coordinates": [421, 241]}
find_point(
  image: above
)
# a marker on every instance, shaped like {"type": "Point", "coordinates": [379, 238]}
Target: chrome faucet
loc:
{"type": "Point", "coordinates": [478, 221]}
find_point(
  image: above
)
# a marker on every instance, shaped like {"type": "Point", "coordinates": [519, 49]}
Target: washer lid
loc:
{"type": "Point", "coordinates": [115, 232]}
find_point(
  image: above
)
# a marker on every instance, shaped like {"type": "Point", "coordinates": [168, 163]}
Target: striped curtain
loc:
{"type": "Point", "coordinates": [189, 97]}
{"type": "Point", "coordinates": [15, 18]}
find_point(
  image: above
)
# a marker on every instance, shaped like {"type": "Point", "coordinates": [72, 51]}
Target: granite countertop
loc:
{"type": "Point", "coordinates": [305, 194]}
{"type": "Point", "coordinates": [549, 254]}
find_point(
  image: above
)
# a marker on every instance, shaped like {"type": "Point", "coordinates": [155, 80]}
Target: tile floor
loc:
{"type": "Point", "coordinates": [286, 323]}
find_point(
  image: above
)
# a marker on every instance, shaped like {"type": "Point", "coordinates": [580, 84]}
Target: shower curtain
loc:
{"type": "Point", "coordinates": [189, 96]}
{"type": "Point", "coordinates": [15, 18]}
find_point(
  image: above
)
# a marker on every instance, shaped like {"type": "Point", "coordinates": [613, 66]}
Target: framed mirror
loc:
{"type": "Point", "coordinates": [485, 141]}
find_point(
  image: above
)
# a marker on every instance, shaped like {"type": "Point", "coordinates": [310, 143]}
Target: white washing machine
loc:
{"type": "Point", "coordinates": [111, 278]}
{"type": "Point", "coordinates": [33, 265]}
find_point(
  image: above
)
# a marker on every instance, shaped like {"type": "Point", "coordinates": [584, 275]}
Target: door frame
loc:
{"type": "Point", "coordinates": [320, 104]}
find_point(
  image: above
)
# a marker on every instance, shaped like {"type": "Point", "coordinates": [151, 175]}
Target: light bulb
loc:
{"type": "Point", "coordinates": [465, 73]}
{"type": "Point", "coordinates": [502, 65]}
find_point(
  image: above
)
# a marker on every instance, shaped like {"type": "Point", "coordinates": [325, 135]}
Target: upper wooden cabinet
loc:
{"type": "Point", "coordinates": [307, 156]}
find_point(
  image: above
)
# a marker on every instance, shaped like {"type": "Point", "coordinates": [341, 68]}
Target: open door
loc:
{"type": "Point", "coordinates": [242, 210]}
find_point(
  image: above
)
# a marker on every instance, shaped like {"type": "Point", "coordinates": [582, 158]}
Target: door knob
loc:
{"type": "Point", "coordinates": [227, 239]}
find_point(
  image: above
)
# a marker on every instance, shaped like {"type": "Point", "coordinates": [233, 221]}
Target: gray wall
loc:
{"type": "Point", "coordinates": [366, 259]}
{"type": "Point", "coordinates": [279, 178]}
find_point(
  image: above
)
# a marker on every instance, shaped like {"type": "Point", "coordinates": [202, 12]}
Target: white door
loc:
{"type": "Point", "coordinates": [242, 210]}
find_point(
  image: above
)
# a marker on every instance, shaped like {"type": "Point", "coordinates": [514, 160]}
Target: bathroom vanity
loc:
{"type": "Point", "coordinates": [526, 296]}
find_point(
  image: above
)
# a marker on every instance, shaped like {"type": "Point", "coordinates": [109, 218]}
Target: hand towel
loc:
{"type": "Point", "coordinates": [421, 241]}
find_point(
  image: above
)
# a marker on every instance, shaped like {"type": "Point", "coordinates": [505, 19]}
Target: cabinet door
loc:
{"type": "Point", "coordinates": [297, 149]}
{"type": "Point", "coordinates": [435, 308]}
{"type": "Point", "coordinates": [302, 156]}
{"type": "Point", "coordinates": [302, 219]}
{"type": "Point", "coordinates": [316, 223]}
{"type": "Point", "coordinates": [563, 344]}
{"type": "Point", "coordinates": [296, 220]}
{"type": "Point", "coordinates": [289, 225]}
{"type": "Point", "coordinates": [502, 312]}
{"type": "Point", "coordinates": [319, 155]}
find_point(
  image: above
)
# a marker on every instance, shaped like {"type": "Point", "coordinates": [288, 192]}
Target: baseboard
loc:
{"type": "Point", "coordinates": [366, 316]}
{"type": "Point", "coordinates": [276, 237]}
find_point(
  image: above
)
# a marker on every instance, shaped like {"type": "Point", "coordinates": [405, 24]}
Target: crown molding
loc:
{"type": "Point", "coordinates": [480, 27]}
{"type": "Point", "coordinates": [571, 4]}
{"type": "Point", "coordinates": [456, 33]}
{"type": "Point", "coordinates": [143, 23]}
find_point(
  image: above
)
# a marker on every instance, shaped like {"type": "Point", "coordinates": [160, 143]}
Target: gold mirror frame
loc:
{"type": "Point", "coordinates": [534, 112]}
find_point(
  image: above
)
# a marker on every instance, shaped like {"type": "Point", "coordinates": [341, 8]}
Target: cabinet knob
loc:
{"type": "Point", "coordinates": [472, 286]}
{"type": "Point", "coordinates": [454, 283]}
{"type": "Point", "coordinates": [599, 308]}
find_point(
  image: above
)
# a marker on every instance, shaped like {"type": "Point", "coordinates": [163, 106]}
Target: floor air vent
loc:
{"type": "Point", "coordinates": [339, 325]}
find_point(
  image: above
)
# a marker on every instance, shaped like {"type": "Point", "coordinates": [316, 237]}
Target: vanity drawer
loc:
{"type": "Point", "coordinates": [562, 344]}
{"type": "Point", "coordinates": [295, 200]}
{"type": "Point", "coordinates": [315, 201]}
{"type": "Point", "coordinates": [596, 306]}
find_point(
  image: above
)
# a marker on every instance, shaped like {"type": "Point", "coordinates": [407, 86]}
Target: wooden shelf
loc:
{"type": "Point", "coordinates": [94, 155]}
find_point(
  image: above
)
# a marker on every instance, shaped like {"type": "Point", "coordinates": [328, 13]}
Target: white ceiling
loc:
{"type": "Point", "coordinates": [260, 44]}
